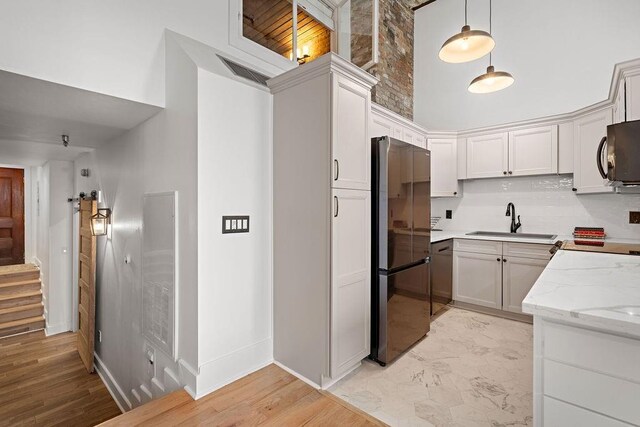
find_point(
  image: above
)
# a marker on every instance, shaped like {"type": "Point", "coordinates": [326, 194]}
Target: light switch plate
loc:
{"type": "Point", "coordinates": [235, 224]}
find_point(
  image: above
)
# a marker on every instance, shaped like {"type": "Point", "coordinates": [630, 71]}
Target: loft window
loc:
{"type": "Point", "coordinates": [271, 23]}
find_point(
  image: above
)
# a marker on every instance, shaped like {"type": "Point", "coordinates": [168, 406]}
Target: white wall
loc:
{"type": "Point", "coordinates": [561, 54]}
{"type": "Point", "coordinates": [113, 47]}
{"type": "Point", "coordinates": [546, 205]}
{"type": "Point", "coordinates": [234, 270]}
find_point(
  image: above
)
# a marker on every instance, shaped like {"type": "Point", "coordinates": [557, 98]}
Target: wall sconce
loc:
{"type": "Point", "coordinates": [301, 56]}
{"type": "Point", "coordinates": [100, 222]}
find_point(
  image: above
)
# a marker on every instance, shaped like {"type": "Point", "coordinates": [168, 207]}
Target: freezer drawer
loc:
{"type": "Point", "coordinates": [401, 312]}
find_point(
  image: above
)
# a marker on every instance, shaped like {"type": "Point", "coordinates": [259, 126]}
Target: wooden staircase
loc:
{"type": "Point", "coordinates": [21, 308]}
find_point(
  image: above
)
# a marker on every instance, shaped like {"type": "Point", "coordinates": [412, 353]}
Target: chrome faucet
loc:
{"type": "Point", "coordinates": [511, 210]}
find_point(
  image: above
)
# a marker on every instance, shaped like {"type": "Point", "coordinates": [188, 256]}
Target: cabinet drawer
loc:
{"type": "Point", "coordinates": [595, 351]}
{"type": "Point", "coordinates": [557, 413]}
{"type": "Point", "coordinates": [613, 397]}
{"type": "Point", "coordinates": [478, 246]}
{"type": "Point", "coordinates": [527, 250]}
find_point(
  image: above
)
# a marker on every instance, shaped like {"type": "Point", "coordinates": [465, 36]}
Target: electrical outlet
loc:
{"type": "Point", "coordinates": [448, 214]}
{"type": "Point", "coordinates": [634, 217]}
{"type": "Point", "coordinates": [99, 336]}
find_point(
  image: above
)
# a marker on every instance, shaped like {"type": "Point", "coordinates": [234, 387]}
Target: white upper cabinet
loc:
{"type": "Point", "coordinates": [633, 97]}
{"type": "Point", "coordinates": [387, 123]}
{"type": "Point", "coordinates": [533, 151]}
{"type": "Point", "coordinates": [444, 171]}
{"type": "Point", "coordinates": [488, 155]}
{"type": "Point", "coordinates": [351, 145]}
{"type": "Point", "coordinates": [619, 103]}
{"type": "Point", "coordinates": [588, 131]}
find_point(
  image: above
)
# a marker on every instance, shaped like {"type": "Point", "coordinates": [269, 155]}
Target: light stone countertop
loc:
{"type": "Point", "coordinates": [597, 290]}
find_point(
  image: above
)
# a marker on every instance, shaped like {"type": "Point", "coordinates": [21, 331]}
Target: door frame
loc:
{"type": "Point", "coordinates": [29, 234]}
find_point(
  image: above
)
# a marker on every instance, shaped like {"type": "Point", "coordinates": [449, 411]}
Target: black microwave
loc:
{"type": "Point", "coordinates": [618, 155]}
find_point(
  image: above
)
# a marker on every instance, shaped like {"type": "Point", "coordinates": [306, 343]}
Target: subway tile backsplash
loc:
{"type": "Point", "coordinates": [546, 204]}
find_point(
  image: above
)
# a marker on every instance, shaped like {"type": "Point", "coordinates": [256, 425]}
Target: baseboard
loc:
{"type": "Point", "coordinates": [525, 318]}
{"type": "Point", "coordinates": [218, 373]}
{"type": "Point", "coordinates": [188, 376]}
{"type": "Point", "coordinates": [57, 329]}
{"type": "Point", "coordinates": [297, 375]}
{"type": "Point", "coordinates": [110, 383]}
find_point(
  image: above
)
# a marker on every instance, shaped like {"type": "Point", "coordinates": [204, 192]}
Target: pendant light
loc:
{"type": "Point", "coordinates": [492, 80]}
{"type": "Point", "coordinates": [467, 45]}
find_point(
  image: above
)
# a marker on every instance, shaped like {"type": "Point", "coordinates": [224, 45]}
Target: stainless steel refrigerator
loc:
{"type": "Point", "coordinates": [401, 213]}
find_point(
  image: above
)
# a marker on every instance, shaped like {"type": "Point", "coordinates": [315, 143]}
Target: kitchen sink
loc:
{"type": "Point", "coordinates": [513, 235]}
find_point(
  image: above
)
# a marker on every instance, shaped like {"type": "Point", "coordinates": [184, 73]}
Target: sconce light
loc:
{"type": "Point", "coordinates": [100, 222]}
{"type": "Point", "coordinates": [301, 56]}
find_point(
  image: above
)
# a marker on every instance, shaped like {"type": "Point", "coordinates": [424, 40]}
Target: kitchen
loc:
{"type": "Point", "coordinates": [503, 192]}
{"type": "Point", "coordinates": [426, 238]}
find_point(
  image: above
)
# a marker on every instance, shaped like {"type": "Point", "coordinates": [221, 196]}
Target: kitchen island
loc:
{"type": "Point", "coordinates": [586, 309]}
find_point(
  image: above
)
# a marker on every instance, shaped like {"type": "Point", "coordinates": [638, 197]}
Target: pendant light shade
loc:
{"type": "Point", "coordinates": [491, 81]}
{"type": "Point", "coordinates": [467, 45]}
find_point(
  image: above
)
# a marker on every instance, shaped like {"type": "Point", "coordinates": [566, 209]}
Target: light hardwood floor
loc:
{"type": "Point", "coordinates": [43, 382]}
{"type": "Point", "coordinates": [269, 396]}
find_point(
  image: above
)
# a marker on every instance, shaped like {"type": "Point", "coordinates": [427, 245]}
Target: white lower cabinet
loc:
{"type": "Point", "coordinates": [351, 279]}
{"type": "Point", "coordinates": [477, 278]}
{"type": "Point", "coordinates": [519, 275]}
{"type": "Point", "coordinates": [496, 274]}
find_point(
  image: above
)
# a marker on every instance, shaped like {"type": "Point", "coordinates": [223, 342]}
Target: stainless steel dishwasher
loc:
{"type": "Point", "coordinates": [441, 275]}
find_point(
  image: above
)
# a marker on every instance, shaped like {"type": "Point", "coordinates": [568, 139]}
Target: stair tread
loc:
{"type": "Point", "coordinates": [21, 322]}
{"type": "Point", "coordinates": [21, 283]}
{"type": "Point", "coordinates": [17, 268]}
{"type": "Point", "coordinates": [20, 308]}
{"type": "Point", "coordinates": [18, 295]}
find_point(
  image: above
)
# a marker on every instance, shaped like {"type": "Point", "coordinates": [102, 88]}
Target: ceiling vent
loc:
{"type": "Point", "coordinates": [244, 72]}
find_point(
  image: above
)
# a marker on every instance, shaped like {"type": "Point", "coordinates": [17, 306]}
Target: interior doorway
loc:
{"type": "Point", "coordinates": [11, 216]}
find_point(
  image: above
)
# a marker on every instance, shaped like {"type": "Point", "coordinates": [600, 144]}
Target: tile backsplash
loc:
{"type": "Point", "coordinates": [546, 204]}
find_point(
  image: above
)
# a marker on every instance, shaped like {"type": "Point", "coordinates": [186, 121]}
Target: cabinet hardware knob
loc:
{"type": "Point", "coordinates": [504, 260]}
{"type": "Point", "coordinates": [504, 172]}
{"type": "Point", "coordinates": [510, 173]}
{"type": "Point", "coordinates": [498, 259]}
{"type": "Point", "coordinates": [574, 189]}
{"type": "Point", "coordinates": [455, 193]}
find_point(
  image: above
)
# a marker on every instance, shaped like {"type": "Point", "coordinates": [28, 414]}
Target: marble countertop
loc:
{"type": "Point", "coordinates": [438, 236]}
{"type": "Point", "coordinates": [592, 289]}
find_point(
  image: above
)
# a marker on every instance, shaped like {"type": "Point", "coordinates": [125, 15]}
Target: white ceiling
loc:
{"type": "Point", "coordinates": [41, 111]}
{"type": "Point", "coordinates": [27, 153]}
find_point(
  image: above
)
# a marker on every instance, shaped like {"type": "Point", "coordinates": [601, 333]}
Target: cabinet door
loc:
{"type": "Point", "coordinates": [533, 151]}
{"type": "Point", "coordinates": [351, 146]}
{"type": "Point", "coordinates": [477, 279]}
{"type": "Point", "coordinates": [588, 131]}
{"type": "Point", "coordinates": [351, 279]}
{"type": "Point", "coordinates": [380, 126]}
{"type": "Point", "coordinates": [619, 110]}
{"type": "Point", "coordinates": [444, 167]}
{"type": "Point", "coordinates": [632, 93]}
{"type": "Point", "coordinates": [487, 155]}
{"type": "Point", "coordinates": [519, 275]}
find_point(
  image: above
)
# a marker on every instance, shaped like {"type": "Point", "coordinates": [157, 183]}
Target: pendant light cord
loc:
{"type": "Point", "coordinates": [465, 13]}
{"type": "Point", "coordinates": [490, 27]}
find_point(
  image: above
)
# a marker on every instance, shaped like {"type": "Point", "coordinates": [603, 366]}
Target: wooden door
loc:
{"type": "Point", "coordinates": [87, 284]}
{"type": "Point", "coordinates": [11, 216]}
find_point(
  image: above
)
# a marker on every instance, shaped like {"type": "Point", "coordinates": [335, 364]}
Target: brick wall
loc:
{"type": "Point", "coordinates": [395, 68]}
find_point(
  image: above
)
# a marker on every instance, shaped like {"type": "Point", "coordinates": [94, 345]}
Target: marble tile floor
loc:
{"type": "Point", "coordinates": [471, 370]}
